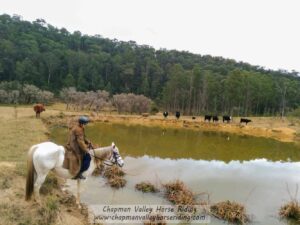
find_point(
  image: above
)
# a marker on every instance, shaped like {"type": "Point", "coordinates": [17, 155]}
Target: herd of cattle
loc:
{"type": "Point", "coordinates": [215, 118]}
{"type": "Point", "coordinates": [39, 108]}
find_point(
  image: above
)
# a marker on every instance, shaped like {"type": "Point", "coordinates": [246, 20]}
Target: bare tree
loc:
{"type": "Point", "coordinates": [3, 96]}
{"type": "Point", "coordinates": [14, 96]}
{"type": "Point", "coordinates": [131, 103]}
{"type": "Point", "coordinates": [30, 93]}
{"type": "Point", "coordinates": [67, 95]}
{"type": "Point", "coordinates": [45, 97]}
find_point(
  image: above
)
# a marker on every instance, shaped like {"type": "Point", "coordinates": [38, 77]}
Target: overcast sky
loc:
{"type": "Point", "coordinates": [260, 32]}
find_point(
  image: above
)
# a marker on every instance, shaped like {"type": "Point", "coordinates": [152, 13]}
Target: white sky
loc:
{"type": "Point", "coordinates": [260, 32]}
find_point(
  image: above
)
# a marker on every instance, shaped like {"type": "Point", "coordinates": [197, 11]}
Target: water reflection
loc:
{"type": "Point", "coordinates": [259, 184]}
{"type": "Point", "coordinates": [137, 141]}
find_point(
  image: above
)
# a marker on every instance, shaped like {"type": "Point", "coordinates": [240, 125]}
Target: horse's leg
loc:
{"type": "Point", "coordinates": [37, 185]}
{"type": "Point", "coordinates": [78, 194]}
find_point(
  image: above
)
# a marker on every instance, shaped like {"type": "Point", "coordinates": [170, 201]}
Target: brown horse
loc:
{"type": "Point", "coordinates": [38, 108]}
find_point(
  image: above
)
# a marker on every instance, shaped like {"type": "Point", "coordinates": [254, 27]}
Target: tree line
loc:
{"type": "Point", "coordinates": [15, 93]}
{"type": "Point", "coordinates": [101, 100]}
{"type": "Point", "coordinates": [37, 53]}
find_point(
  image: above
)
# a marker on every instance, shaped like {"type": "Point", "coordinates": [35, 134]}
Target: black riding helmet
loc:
{"type": "Point", "coordinates": [83, 120]}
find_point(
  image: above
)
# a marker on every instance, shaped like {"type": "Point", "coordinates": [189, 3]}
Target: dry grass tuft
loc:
{"type": "Point", "coordinates": [5, 183]}
{"type": "Point", "coordinates": [113, 171]}
{"type": "Point", "coordinates": [117, 182]}
{"type": "Point", "coordinates": [51, 183]}
{"type": "Point", "coordinates": [146, 187]}
{"type": "Point", "coordinates": [290, 210]}
{"type": "Point", "coordinates": [49, 211]}
{"type": "Point", "coordinates": [115, 174]}
{"type": "Point", "coordinates": [68, 199]}
{"type": "Point", "coordinates": [179, 194]}
{"type": "Point", "coordinates": [11, 213]}
{"type": "Point", "coordinates": [230, 211]}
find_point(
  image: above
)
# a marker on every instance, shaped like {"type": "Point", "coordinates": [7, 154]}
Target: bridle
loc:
{"type": "Point", "coordinates": [108, 162]}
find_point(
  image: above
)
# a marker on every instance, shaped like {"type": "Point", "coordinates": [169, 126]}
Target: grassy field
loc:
{"type": "Point", "coordinates": [20, 130]}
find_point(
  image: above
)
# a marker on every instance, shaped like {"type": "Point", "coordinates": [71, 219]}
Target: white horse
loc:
{"type": "Point", "coordinates": [48, 156]}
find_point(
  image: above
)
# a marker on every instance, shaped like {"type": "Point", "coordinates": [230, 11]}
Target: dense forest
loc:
{"type": "Point", "coordinates": [37, 53]}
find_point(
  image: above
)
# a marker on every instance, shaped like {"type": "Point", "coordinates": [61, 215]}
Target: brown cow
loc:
{"type": "Point", "coordinates": [38, 108]}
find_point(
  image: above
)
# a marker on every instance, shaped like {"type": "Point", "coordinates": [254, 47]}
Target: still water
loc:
{"type": "Point", "coordinates": [249, 170]}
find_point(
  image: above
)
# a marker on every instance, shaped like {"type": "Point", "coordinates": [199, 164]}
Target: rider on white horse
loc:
{"type": "Point", "coordinates": [48, 156]}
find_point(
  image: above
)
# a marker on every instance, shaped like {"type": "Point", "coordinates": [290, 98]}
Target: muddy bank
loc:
{"type": "Point", "coordinates": [260, 127]}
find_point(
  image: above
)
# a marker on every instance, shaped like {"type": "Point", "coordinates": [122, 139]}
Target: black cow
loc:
{"type": "Point", "coordinates": [177, 114]}
{"type": "Point", "coordinates": [207, 117]}
{"type": "Point", "coordinates": [215, 118]}
{"type": "Point", "coordinates": [227, 119]}
{"type": "Point", "coordinates": [165, 114]}
{"type": "Point", "coordinates": [244, 120]}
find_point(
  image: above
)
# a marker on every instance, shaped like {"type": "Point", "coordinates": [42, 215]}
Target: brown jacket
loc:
{"type": "Point", "coordinates": [76, 147]}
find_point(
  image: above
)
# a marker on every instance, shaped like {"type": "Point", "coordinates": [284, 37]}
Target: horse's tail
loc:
{"type": "Point", "coordinates": [30, 174]}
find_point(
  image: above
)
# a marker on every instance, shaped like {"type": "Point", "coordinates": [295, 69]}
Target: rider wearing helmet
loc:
{"type": "Point", "coordinates": [79, 145]}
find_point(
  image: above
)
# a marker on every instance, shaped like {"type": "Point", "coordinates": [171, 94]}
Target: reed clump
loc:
{"type": "Point", "coordinates": [115, 175]}
{"type": "Point", "coordinates": [178, 193]}
{"type": "Point", "coordinates": [113, 171]}
{"type": "Point", "coordinates": [230, 211]}
{"type": "Point", "coordinates": [290, 210]}
{"type": "Point", "coordinates": [117, 182]}
{"type": "Point", "coordinates": [146, 187]}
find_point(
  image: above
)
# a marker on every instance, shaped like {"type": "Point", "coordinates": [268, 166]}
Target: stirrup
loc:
{"type": "Point", "coordinates": [79, 176]}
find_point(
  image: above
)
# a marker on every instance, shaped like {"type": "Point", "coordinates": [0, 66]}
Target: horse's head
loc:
{"type": "Point", "coordinates": [116, 159]}
{"type": "Point", "coordinates": [110, 155]}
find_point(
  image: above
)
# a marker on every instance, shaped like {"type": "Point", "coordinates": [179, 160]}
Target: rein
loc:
{"type": "Point", "coordinates": [94, 155]}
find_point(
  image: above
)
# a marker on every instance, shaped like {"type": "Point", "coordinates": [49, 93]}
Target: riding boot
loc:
{"type": "Point", "coordinates": [79, 176]}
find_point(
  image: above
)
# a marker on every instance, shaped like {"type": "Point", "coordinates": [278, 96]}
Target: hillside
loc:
{"type": "Point", "coordinates": [51, 58]}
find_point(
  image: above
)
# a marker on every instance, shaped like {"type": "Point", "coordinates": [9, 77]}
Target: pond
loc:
{"type": "Point", "coordinates": [254, 171]}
